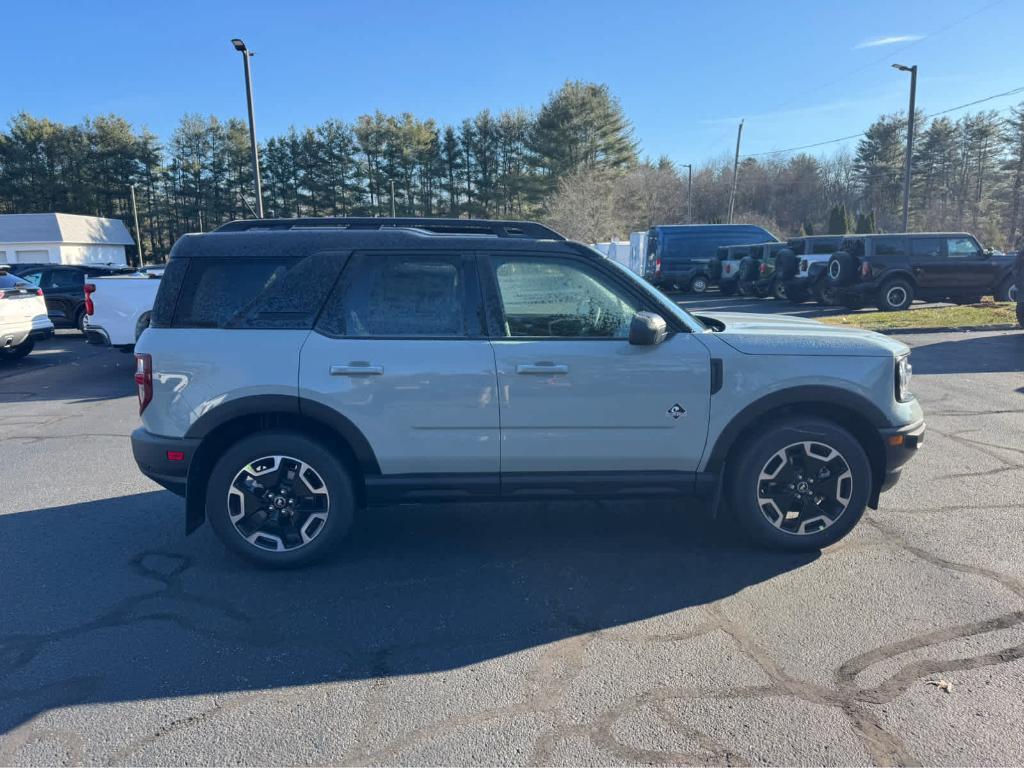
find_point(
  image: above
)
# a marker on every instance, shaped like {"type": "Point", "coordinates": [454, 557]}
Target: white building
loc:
{"type": "Point", "coordinates": [62, 238]}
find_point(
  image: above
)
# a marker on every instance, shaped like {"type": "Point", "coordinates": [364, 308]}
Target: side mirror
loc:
{"type": "Point", "coordinates": [647, 329]}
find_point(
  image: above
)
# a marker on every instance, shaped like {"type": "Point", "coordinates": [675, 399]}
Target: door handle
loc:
{"type": "Point", "coordinates": [542, 369]}
{"type": "Point", "coordinates": [357, 369]}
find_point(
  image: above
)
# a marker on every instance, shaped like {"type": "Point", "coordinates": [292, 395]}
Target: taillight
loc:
{"type": "Point", "coordinates": [2, 294]}
{"type": "Point", "coordinates": [865, 269]}
{"type": "Point", "coordinates": [144, 379]}
{"type": "Point", "coordinates": [89, 307]}
{"type": "Point", "coordinates": [39, 291]}
{"type": "Point", "coordinates": [764, 269]}
{"type": "Point", "coordinates": [803, 265]}
{"type": "Point", "coordinates": [728, 268]}
{"type": "Point", "coordinates": [657, 266]}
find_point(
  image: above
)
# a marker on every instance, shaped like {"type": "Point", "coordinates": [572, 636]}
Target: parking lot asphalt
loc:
{"type": "Point", "coordinates": [587, 633]}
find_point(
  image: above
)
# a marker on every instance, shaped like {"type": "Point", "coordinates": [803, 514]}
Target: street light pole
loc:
{"type": "Point", "coordinates": [240, 47]}
{"type": "Point", "coordinates": [910, 142]}
{"type": "Point", "coordinates": [689, 193]}
{"type": "Point", "coordinates": [392, 198]}
{"type": "Point", "coordinates": [735, 172]}
{"type": "Point", "coordinates": [138, 234]}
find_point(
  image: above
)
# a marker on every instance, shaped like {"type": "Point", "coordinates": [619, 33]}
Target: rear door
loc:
{"type": "Point", "coordinates": [575, 395]}
{"type": "Point", "coordinates": [399, 350]}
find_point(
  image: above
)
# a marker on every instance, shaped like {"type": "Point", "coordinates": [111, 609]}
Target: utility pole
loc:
{"type": "Point", "coordinates": [689, 193]}
{"type": "Point", "coordinates": [240, 47]}
{"type": "Point", "coordinates": [735, 171]}
{"type": "Point", "coordinates": [138, 234]}
{"type": "Point", "coordinates": [910, 142]}
{"type": "Point", "coordinates": [392, 198]}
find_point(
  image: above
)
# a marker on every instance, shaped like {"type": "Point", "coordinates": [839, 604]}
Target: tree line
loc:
{"type": "Point", "coordinates": [573, 163]}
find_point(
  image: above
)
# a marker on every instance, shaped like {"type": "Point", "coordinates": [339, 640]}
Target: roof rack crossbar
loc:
{"type": "Point", "coordinates": [527, 229]}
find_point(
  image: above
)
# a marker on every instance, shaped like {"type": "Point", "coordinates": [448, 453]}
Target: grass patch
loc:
{"type": "Point", "coordinates": [986, 313]}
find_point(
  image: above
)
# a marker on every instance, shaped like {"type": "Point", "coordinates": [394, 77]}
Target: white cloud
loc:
{"type": "Point", "coordinates": [875, 42]}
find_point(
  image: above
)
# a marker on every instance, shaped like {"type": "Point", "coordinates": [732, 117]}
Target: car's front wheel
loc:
{"type": "Point", "coordinates": [280, 499]}
{"type": "Point", "coordinates": [801, 484]}
{"type": "Point", "coordinates": [1007, 290]}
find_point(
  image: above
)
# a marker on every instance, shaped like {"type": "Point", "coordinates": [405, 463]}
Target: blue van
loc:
{"type": "Point", "coordinates": [678, 254]}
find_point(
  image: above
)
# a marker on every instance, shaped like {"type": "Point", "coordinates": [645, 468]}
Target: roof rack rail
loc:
{"type": "Point", "coordinates": [528, 229]}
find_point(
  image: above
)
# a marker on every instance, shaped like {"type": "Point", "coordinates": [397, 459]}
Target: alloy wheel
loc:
{"type": "Point", "coordinates": [278, 503]}
{"type": "Point", "coordinates": [895, 296]}
{"type": "Point", "coordinates": [805, 487]}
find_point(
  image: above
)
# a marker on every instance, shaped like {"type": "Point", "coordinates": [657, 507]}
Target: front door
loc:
{"type": "Point", "coordinates": [574, 394]}
{"type": "Point", "coordinates": [399, 350]}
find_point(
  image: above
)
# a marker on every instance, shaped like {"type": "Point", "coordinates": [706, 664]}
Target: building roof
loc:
{"type": "Point", "coordinates": [62, 228]}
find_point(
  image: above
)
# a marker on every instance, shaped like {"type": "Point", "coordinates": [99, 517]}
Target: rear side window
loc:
{"type": "Point", "coordinates": [65, 279]}
{"type": "Point", "coordinates": [926, 247]}
{"type": "Point", "coordinates": [891, 246]}
{"type": "Point", "coordinates": [399, 295]}
{"type": "Point", "coordinates": [251, 293]}
{"type": "Point", "coordinates": [824, 246]}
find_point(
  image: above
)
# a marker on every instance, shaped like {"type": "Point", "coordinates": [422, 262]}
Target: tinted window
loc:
{"type": "Point", "coordinates": [686, 245]}
{"type": "Point", "coordinates": [961, 248]}
{"type": "Point", "coordinates": [891, 246]}
{"type": "Point", "coordinates": [255, 293]}
{"type": "Point", "coordinates": [400, 295]}
{"type": "Point", "coordinates": [11, 281]}
{"type": "Point", "coordinates": [167, 294]}
{"type": "Point", "coordinates": [552, 298]}
{"type": "Point", "coordinates": [64, 279]}
{"type": "Point", "coordinates": [926, 247]}
{"type": "Point", "coordinates": [825, 246]}
{"type": "Point", "coordinates": [32, 278]}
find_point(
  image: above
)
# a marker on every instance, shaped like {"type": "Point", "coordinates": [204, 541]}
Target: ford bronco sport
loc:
{"type": "Point", "coordinates": [297, 370]}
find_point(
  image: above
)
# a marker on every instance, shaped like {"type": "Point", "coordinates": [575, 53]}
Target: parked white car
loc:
{"type": "Point", "coordinates": [117, 309]}
{"type": "Point", "coordinates": [23, 319]}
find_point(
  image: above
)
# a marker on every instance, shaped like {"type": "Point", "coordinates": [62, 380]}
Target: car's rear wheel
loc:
{"type": "Point", "coordinates": [1007, 290]}
{"type": "Point", "coordinates": [280, 499]}
{"type": "Point", "coordinates": [1020, 315]}
{"type": "Point", "coordinates": [827, 295]}
{"type": "Point", "coordinates": [80, 319]}
{"type": "Point", "coordinates": [699, 284]}
{"type": "Point", "coordinates": [895, 295]}
{"type": "Point", "coordinates": [16, 353]}
{"type": "Point", "coordinates": [801, 484]}
{"type": "Point", "coordinates": [778, 289]}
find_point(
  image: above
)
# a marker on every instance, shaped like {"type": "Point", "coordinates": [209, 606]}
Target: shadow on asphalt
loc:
{"type": "Point", "coordinates": [87, 373]}
{"type": "Point", "coordinates": [107, 601]}
{"type": "Point", "coordinates": [971, 354]}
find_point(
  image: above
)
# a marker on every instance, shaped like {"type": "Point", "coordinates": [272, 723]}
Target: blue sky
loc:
{"type": "Point", "coordinates": [685, 72]}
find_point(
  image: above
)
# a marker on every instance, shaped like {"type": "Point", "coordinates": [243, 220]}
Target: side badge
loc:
{"type": "Point", "coordinates": [676, 411]}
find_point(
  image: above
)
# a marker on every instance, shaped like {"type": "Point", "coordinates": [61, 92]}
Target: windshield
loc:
{"type": "Point", "coordinates": [671, 308]}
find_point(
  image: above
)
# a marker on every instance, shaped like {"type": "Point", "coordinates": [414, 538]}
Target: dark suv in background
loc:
{"type": "Point", "coordinates": [893, 270]}
{"type": "Point", "coordinates": [678, 255]}
{"type": "Point", "coordinates": [63, 286]}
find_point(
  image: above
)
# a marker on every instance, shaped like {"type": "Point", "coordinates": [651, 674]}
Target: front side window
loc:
{"type": "Point", "coordinates": [544, 297]}
{"type": "Point", "coordinates": [926, 247]}
{"type": "Point", "coordinates": [962, 248]}
{"type": "Point", "coordinates": [65, 279]}
{"type": "Point", "coordinates": [392, 295]}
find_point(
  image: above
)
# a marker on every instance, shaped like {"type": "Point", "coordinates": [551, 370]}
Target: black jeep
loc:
{"type": "Point", "coordinates": [893, 270]}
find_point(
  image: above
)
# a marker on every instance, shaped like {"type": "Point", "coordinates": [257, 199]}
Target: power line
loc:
{"type": "Point", "coordinates": [858, 135]}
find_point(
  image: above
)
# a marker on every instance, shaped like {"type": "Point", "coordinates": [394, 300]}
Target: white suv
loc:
{"type": "Point", "coordinates": [23, 318]}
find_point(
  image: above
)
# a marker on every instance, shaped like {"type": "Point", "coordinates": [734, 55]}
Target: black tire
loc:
{"type": "Point", "coordinates": [895, 295]}
{"type": "Point", "coordinates": [841, 269]}
{"type": "Point", "coordinates": [786, 263]}
{"type": "Point", "coordinates": [759, 493]}
{"type": "Point", "coordinates": [699, 284]}
{"type": "Point", "coordinates": [16, 353]}
{"type": "Point", "coordinates": [826, 295]}
{"type": "Point", "coordinates": [748, 269]}
{"type": "Point", "coordinates": [1020, 314]}
{"type": "Point", "coordinates": [1005, 291]}
{"type": "Point", "coordinates": [715, 268]}
{"type": "Point", "coordinates": [80, 320]}
{"type": "Point", "coordinates": [728, 289]}
{"type": "Point", "coordinates": [778, 289]}
{"type": "Point", "coordinates": [329, 473]}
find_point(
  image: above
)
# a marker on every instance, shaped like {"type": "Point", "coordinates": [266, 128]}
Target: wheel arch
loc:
{"type": "Point", "coordinates": [905, 274]}
{"type": "Point", "coordinates": [226, 424]}
{"type": "Point", "coordinates": [859, 416]}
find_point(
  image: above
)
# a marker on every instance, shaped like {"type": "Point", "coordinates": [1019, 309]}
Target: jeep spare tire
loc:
{"type": "Point", "coordinates": [748, 269]}
{"type": "Point", "coordinates": [841, 269]}
{"type": "Point", "coordinates": [715, 268]}
{"type": "Point", "coordinates": [786, 263]}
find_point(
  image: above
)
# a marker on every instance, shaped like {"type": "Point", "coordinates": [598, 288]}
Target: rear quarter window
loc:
{"type": "Point", "coordinates": [255, 293]}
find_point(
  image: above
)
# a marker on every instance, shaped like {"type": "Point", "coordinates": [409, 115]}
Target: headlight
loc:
{"type": "Point", "coordinates": [904, 370]}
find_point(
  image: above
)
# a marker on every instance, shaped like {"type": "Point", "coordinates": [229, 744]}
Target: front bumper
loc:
{"type": "Point", "coordinates": [901, 444]}
{"type": "Point", "coordinates": [164, 460]}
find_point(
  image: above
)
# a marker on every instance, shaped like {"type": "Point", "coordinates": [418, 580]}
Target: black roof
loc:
{"type": "Point", "coordinates": [283, 237]}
